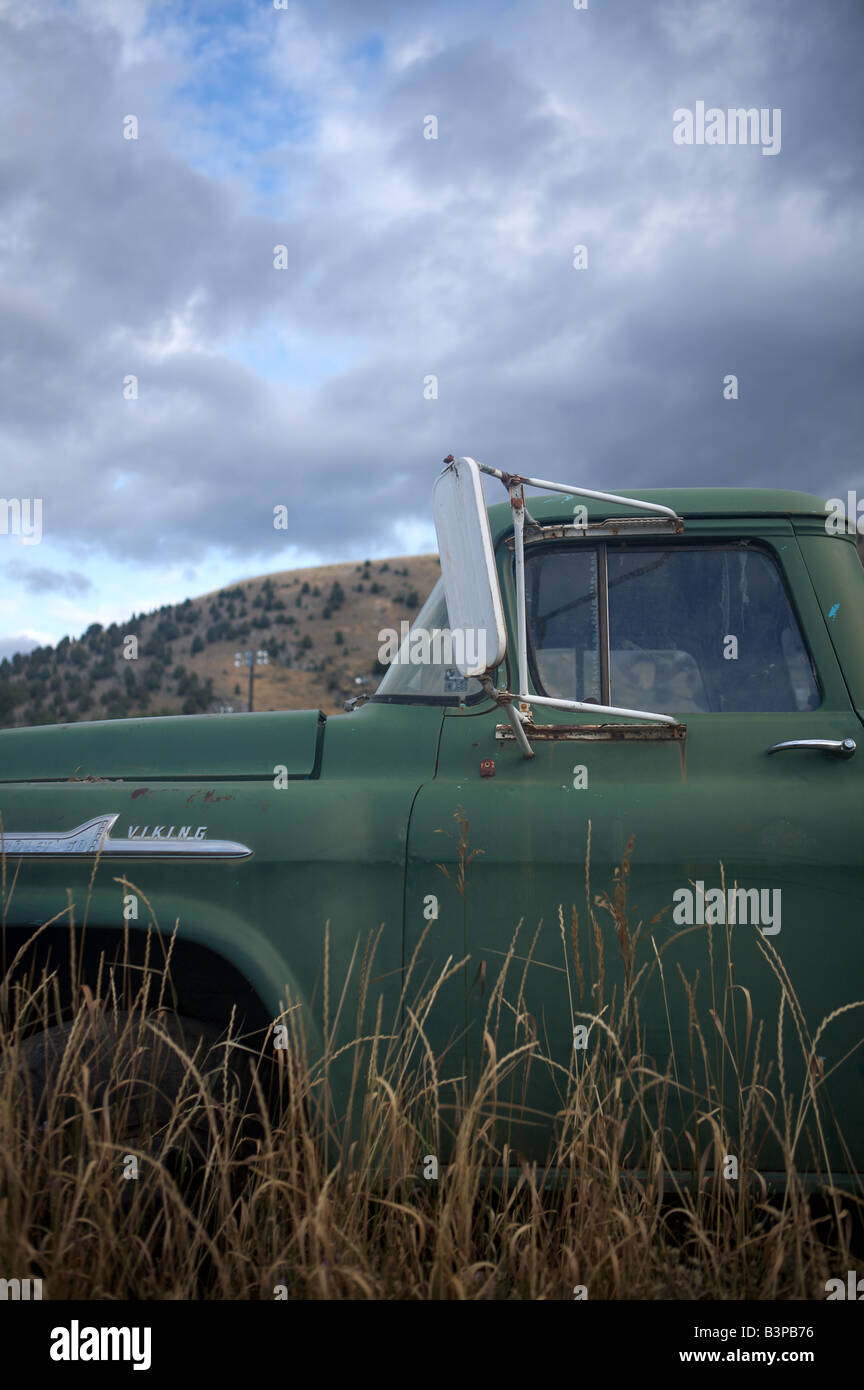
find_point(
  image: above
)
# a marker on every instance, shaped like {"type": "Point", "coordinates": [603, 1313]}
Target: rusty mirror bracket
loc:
{"type": "Point", "coordinates": [465, 471]}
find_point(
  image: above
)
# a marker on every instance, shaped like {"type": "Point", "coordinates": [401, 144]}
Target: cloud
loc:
{"type": "Point", "coordinates": [19, 642]}
{"type": "Point", "coordinates": [39, 579]}
{"type": "Point", "coordinates": [154, 259]}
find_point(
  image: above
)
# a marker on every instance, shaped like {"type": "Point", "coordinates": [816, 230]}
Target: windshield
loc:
{"type": "Point", "coordinates": [415, 673]}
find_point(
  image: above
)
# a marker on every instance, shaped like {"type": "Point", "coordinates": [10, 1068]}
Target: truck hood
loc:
{"type": "Point", "coordinates": [194, 747]}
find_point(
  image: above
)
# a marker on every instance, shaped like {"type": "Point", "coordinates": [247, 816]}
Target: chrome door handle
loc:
{"type": "Point", "coordinates": [840, 747]}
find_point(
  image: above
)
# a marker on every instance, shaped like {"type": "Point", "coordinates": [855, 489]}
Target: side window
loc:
{"type": "Point", "coordinates": [562, 602]}
{"type": "Point", "coordinates": [690, 629]}
{"type": "Point", "coordinates": [424, 669]}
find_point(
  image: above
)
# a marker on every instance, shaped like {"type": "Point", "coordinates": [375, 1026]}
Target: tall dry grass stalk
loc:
{"type": "Point", "coordinates": [250, 1185]}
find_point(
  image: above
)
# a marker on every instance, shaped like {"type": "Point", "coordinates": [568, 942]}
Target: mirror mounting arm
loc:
{"type": "Point", "coordinates": [509, 479]}
{"type": "Point", "coordinates": [524, 716]}
{"type": "Point", "coordinates": [517, 503]}
{"type": "Point", "coordinates": [502, 698]}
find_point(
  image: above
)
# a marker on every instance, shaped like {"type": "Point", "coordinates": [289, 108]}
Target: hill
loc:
{"type": "Point", "coordinates": [318, 626]}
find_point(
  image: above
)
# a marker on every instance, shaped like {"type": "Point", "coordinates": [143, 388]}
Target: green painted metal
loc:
{"type": "Point", "coordinates": [175, 748]}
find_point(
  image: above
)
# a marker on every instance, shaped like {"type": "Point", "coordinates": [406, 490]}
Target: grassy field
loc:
{"type": "Point", "coordinates": [146, 1172]}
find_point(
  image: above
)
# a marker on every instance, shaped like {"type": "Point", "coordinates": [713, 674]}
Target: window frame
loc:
{"type": "Point", "coordinates": [601, 545]}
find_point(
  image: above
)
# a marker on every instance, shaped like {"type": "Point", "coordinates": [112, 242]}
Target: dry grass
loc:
{"type": "Point", "coordinates": [362, 616]}
{"type": "Point", "coordinates": [238, 1198]}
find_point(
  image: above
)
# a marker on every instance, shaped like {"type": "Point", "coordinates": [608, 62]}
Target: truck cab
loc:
{"type": "Point", "coordinates": [639, 774]}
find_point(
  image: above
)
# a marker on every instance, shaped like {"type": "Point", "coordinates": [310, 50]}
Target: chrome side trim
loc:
{"type": "Point", "coordinates": [94, 837]}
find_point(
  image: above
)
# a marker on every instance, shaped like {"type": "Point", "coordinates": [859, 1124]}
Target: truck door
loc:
{"type": "Point", "coordinates": [722, 628]}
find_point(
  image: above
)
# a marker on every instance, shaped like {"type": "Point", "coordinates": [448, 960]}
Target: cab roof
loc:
{"type": "Point", "coordinates": [686, 501]}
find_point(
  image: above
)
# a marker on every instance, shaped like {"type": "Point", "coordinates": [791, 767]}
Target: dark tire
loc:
{"type": "Point", "coordinates": [133, 1070]}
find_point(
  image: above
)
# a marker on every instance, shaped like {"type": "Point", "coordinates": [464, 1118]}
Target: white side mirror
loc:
{"type": "Point", "coordinates": [474, 606]}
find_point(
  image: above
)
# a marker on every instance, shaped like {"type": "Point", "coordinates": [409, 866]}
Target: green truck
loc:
{"type": "Point", "coordinates": [672, 682]}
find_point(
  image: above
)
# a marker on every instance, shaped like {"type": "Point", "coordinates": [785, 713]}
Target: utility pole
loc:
{"type": "Point", "coordinates": [251, 659]}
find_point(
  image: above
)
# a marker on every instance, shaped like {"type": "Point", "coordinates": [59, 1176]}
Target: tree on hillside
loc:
{"type": "Point", "coordinates": [12, 694]}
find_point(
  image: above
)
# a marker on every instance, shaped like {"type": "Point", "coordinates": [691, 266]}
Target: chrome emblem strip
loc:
{"type": "Point", "coordinates": [94, 837]}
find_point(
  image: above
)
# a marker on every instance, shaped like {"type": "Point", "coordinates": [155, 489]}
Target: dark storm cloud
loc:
{"type": "Point", "coordinates": [450, 257]}
{"type": "Point", "coordinates": [38, 579]}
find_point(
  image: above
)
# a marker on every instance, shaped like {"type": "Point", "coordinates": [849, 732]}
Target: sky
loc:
{"type": "Point", "coordinates": [260, 256]}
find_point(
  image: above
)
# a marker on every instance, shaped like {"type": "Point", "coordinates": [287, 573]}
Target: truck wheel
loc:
{"type": "Point", "coordinates": [140, 1077]}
